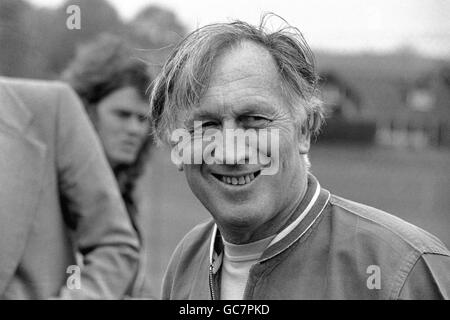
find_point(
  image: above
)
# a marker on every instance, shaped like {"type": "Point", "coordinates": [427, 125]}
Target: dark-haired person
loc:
{"type": "Point", "coordinates": [58, 197]}
{"type": "Point", "coordinates": [112, 84]}
{"type": "Point", "coordinates": [275, 233]}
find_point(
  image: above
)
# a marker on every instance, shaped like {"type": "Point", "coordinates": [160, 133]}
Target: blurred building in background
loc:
{"type": "Point", "coordinates": [406, 95]}
{"type": "Point", "coordinates": [345, 119]}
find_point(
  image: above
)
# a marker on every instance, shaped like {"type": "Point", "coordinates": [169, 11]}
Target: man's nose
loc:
{"type": "Point", "coordinates": [234, 149]}
{"type": "Point", "coordinates": [229, 124]}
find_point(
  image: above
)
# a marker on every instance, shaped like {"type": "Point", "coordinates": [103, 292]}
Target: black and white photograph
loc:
{"type": "Point", "coordinates": [266, 150]}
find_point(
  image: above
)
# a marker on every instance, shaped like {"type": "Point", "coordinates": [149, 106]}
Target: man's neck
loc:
{"type": "Point", "coordinates": [294, 213]}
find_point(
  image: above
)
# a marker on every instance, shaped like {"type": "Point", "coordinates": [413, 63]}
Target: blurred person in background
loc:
{"type": "Point", "coordinates": [58, 198]}
{"type": "Point", "coordinates": [278, 235]}
{"type": "Point", "coordinates": [112, 84]}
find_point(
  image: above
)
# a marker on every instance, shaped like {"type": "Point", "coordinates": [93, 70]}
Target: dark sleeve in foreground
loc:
{"type": "Point", "coordinates": [103, 232]}
{"type": "Point", "coordinates": [429, 279]}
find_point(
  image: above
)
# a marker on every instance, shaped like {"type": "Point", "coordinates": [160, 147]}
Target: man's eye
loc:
{"type": "Point", "coordinates": [255, 120]}
{"type": "Point", "coordinates": [205, 125]}
{"type": "Point", "coordinates": [208, 124]}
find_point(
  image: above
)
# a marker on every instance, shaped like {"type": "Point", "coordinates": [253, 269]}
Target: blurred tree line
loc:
{"type": "Point", "coordinates": [36, 43]}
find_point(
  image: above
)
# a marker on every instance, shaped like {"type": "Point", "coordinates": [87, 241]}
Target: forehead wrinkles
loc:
{"type": "Point", "coordinates": [244, 71]}
{"type": "Point", "coordinates": [244, 61]}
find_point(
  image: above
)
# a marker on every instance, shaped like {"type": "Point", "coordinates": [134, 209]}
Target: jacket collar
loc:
{"type": "Point", "coordinates": [306, 214]}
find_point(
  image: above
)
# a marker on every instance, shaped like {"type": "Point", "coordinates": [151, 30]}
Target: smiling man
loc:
{"type": "Point", "coordinates": [277, 235]}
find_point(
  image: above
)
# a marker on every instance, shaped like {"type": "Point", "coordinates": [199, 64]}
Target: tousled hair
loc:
{"type": "Point", "coordinates": [185, 76]}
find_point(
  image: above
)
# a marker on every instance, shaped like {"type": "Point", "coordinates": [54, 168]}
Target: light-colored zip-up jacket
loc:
{"type": "Point", "coordinates": [333, 249]}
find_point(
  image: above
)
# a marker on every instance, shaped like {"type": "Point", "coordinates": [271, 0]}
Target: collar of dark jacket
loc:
{"type": "Point", "coordinates": [306, 213]}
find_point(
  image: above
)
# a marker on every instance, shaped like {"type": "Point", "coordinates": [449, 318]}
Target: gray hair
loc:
{"type": "Point", "coordinates": [185, 76]}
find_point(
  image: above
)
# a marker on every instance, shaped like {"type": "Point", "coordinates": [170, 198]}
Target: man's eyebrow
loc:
{"type": "Point", "coordinates": [254, 108]}
{"type": "Point", "coordinates": [200, 115]}
{"type": "Point", "coordinates": [244, 109]}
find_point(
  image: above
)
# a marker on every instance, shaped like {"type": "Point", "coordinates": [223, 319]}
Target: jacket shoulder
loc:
{"type": "Point", "coordinates": [193, 245]}
{"type": "Point", "coordinates": [42, 104]}
{"type": "Point", "coordinates": [186, 260]}
{"type": "Point", "coordinates": [37, 84]}
{"type": "Point", "coordinates": [386, 227]}
{"type": "Point", "coordinates": [38, 95]}
{"type": "Point", "coordinates": [197, 237]}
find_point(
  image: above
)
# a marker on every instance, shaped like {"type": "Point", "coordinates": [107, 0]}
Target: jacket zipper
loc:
{"type": "Point", "coordinates": [211, 284]}
{"type": "Point", "coordinates": [247, 284]}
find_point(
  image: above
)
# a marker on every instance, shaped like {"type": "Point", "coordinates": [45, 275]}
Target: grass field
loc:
{"type": "Point", "coordinates": [410, 184]}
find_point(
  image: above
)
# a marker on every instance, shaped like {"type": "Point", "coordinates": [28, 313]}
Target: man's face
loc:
{"type": "Point", "coordinates": [244, 93]}
{"type": "Point", "coordinates": [122, 125]}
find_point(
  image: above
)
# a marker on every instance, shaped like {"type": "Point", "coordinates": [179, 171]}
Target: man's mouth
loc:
{"type": "Point", "coordinates": [237, 180]}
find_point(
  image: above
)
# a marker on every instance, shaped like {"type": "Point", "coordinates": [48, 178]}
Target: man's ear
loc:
{"type": "Point", "coordinates": [304, 139]}
{"type": "Point", "coordinates": [176, 158]}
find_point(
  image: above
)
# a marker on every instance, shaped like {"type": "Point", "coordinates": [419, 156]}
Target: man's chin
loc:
{"type": "Point", "coordinates": [238, 230]}
{"type": "Point", "coordinates": [239, 216]}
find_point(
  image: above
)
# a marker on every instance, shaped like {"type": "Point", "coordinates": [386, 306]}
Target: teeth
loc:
{"type": "Point", "coordinates": [242, 180]}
